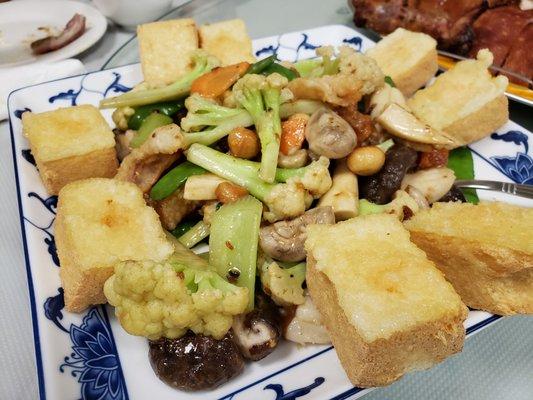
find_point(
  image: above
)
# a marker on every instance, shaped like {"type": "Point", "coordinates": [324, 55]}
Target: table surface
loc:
{"type": "Point", "coordinates": [496, 363]}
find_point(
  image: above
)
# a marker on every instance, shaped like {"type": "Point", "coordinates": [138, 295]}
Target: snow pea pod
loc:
{"type": "Point", "coordinates": [261, 65]}
{"type": "Point", "coordinates": [174, 179]}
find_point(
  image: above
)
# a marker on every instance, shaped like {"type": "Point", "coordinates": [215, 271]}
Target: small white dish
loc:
{"type": "Point", "coordinates": [130, 13]}
{"type": "Point", "coordinates": [22, 22]}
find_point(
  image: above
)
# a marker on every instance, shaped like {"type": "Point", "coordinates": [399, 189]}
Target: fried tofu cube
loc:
{"type": "Point", "coordinates": [166, 49]}
{"type": "Point", "coordinates": [409, 58]}
{"type": "Point", "coordinates": [228, 41]}
{"type": "Point", "coordinates": [484, 250]}
{"type": "Point", "coordinates": [99, 223]}
{"type": "Point", "coordinates": [69, 144]}
{"type": "Point", "coordinates": [466, 101]}
{"type": "Point", "coordinates": [387, 308]}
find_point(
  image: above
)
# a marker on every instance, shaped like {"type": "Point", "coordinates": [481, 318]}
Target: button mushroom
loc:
{"type": "Point", "coordinates": [257, 333]}
{"type": "Point", "coordinates": [329, 135]}
{"type": "Point", "coordinates": [195, 362]}
{"type": "Point", "coordinates": [284, 240]}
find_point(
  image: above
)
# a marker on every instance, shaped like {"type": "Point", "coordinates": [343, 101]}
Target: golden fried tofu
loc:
{"type": "Point", "coordinates": [228, 41]}
{"type": "Point", "coordinates": [69, 144]}
{"type": "Point", "coordinates": [99, 223]}
{"type": "Point", "coordinates": [166, 49]}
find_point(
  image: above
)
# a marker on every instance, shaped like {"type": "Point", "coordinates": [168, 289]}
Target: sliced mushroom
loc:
{"type": "Point", "coordinates": [329, 135]}
{"type": "Point", "coordinates": [401, 123]}
{"type": "Point", "coordinates": [385, 96]}
{"type": "Point", "coordinates": [257, 333]}
{"type": "Point", "coordinates": [284, 240]}
{"type": "Point", "coordinates": [304, 324]}
{"type": "Point", "coordinates": [433, 183]}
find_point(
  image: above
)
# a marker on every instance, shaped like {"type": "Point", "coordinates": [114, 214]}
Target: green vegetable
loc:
{"type": "Point", "coordinates": [174, 179]}
{"type": "Point", "coordinates": [280, 69]}
{"type": "Point", "coordinates": [283, 283]}
{"type": "Point", "coordinates": [389, 81]}
{"type": "Point", "coordinates": [168, 298]}
{"type": "Point", "coordinates": [182, 228]}
{"type": "Point", "coordinates": [202, 63]}
{"type": "Point", "coordinates": [367, 207]}
{"type": "Point", "coordinates": [260, 96]}
{"type": "Point", "coordinates": [261, 65]}
{"type": "Point", "coordinates": [195, 235]}
{"type": "Point", "coordinates": [397, 206]}
{"type": "Point", "coordinates": [284, 200]}
{"type": "Point", "coordinates": [150, 123]}
{"type": "Point", "coordinates": [233, 242]}
{"type": "Point", "coordinates": [327, 64]}
{"type": "Point", "coordinates": [461, 162]}
{"type": "Point", "coordinates": [168, 108]}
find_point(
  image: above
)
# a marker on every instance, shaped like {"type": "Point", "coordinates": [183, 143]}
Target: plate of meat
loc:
{"type": "Point", "coordinates": [35, 31]}
{"type": "Point", "coordinates": [461, 30]}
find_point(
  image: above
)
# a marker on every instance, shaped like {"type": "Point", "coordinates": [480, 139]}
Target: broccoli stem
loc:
{"type": "Point", "coordinates": [366, 208]}
{"type": "Point", "coordinates": [210, 136]}
{"type": "Point", "coordinates": [175, 91]}
{"type": "Point", "coordinates": [239, 171]}
{"type": "Point", "coordinates": [194, 235]}
{"type": "Point", "coordinates": [233, 242]}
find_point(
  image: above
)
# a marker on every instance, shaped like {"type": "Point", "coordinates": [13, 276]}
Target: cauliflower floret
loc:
{"type": "Point", "coordinates": [286, 200]}
{"type": "Point", "coordinates": [317, 179]}
{"type": "Point", "coordinates": [357, 76]}
{"type": "Point", "coordinates": [165, 300]}
{"type": "Point", "coordinates": [284, 285]}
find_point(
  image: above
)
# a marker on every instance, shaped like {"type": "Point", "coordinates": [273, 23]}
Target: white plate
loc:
{"type": "Point", "coordinates": [20, 22]}
{"type": "Point", "coordinates": [89, 356]}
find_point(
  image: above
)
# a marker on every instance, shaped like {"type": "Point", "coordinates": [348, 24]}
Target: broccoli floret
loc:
{"type": "Point", "coordinates": [261, 97]}
{"type": "Point", "coordinates": [203, 63]}
{"type": "Point", "coordinates": [166, 299]}
{"type": "Point", "coordinates": [284, 200]}
{"type": "Point", "coordinates": [397, 206]}
{"type": "Point", "coordinates": [284, 285]}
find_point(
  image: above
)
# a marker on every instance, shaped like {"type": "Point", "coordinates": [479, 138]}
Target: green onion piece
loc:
{"type": "Point", "coordinates": [182, 228]}
{"type": "Point", "coordinates": [174, 179]}
{"type": "Point", "coordinates": [168, 108]}
{"type": "Point", "coordinates": [194, 235]}
{"type": "Point", "coordinates": [151, 122]}
{"type": "Point", "coordinates": [461, 162]}
{"type": "Point", "coordinates": [389, 81]}
{"type": "Point", "coordinates": [280, 69]}
{"type": "Point", "coordinates": [233, 242]}
{"type": "Point", "coordinates": [261, 65]}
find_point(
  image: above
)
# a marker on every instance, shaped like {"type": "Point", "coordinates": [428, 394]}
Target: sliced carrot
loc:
{"type": "Point", "coordinates": [293, 133]}
{"type": "Point", "coordinates": [216, 82]}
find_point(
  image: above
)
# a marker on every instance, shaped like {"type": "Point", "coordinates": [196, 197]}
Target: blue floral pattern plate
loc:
{"type": "Point", "coordinates": [88, 356]}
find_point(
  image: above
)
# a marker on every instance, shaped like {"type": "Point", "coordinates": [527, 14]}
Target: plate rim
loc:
{"type": "Point", "coordinates": [489, 320]}
{"type": "Point", "coordinates": [97, 18]}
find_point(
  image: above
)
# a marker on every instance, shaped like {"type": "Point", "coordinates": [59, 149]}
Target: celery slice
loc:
{"type": "Point", "coordinates": [233, 242]}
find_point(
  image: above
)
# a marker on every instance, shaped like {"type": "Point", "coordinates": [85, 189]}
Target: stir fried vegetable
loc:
{"type": "Point", "coordinates": [283, 283]}
{"type": "Point", "coordinates": [233, 242]}
{"type": "Point", "coordinates": [174, 179]}
{"type": "Point", "coordinates": [260, 96]}
{"type": "Point", "coordinates": [261, 65]}
{"type": "Point", "coordinates": [195, 234]}
{"type": "Point", "coordinates": [168, 108]}
{"type": "Point", "coordinates": [203, 63]}
{"type": "Point", "coordinates": [216, 82]}
{"type": "Point", "coordinates": [150, 123]}
{"type": "Point", "coordinates": [284, 200]}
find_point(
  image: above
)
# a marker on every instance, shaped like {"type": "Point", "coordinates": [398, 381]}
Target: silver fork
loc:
{"type": "Point", "coordinates": [516, 189]}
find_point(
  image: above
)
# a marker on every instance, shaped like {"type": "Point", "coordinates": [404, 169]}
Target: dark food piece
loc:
{"type": "Point", "coordinates": [497, 29]}
{"type": "Point", "coordinates": [73, 30]}
{"type": "Point", "coordinates": [454, 194]}
{"type": "Point", "coordinates": [195, 362]}
{"type": "Point", "coordinates": [379, 188]}
{"type": "Point", "coordinates": [361, 123]}
{"type": "Point", "coordinates": [448, 21]}
{"type": "Point", "coordinates": [257, 333]}
{"type": "Point", "coordinates": [520, 58]}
